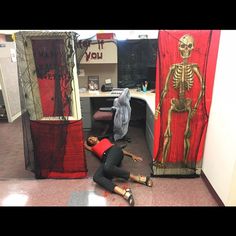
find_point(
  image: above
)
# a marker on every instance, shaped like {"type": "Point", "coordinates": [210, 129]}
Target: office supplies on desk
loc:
{"type": "Point", "coordinates": [93, 83]}
{"type": "Point", "coordinates": [107, 87]}
{"type": "Point", "coordinates": [82, 90]}
{"type": "Point", "coordinates": [144, 86]}
{"type": "Point", "coordinates": [117, 91]}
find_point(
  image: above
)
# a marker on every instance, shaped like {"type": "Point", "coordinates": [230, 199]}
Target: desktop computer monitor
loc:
{"type": "Point", "coordinates": [151, 77]}
{"type": "Point", "coordinates": [137, 63]}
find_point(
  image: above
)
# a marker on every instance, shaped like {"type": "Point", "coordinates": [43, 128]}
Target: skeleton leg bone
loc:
{"type": "Point", "coordinates": [167, 136]}
{"type": "Point", "coordinates": [187, 135]}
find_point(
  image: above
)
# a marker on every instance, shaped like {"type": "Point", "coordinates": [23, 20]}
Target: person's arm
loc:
{"type": "Point", "coordinates": [87, 146]}
{"type": "Point", "coordinates": [134, 157]}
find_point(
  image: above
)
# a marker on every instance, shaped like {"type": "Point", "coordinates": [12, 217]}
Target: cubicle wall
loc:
{"type": "Point", "coordinates": [9, 89]}
{"type": "Point", "coordinates": [100, 60]}
{"type": "Point", "coordinates": [52, 124]}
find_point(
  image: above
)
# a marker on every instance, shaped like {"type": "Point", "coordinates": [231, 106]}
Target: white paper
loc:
{"type": "Point", "coordinates": [108, 81]}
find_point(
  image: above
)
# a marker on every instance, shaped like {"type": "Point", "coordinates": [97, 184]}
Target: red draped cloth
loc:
{"type": "Point", "coordinates": [53, 77]}
{"type": "Point", "coordinates": [204, 55]}
{"type": "Point", "coordinates": [58, 149]}
{"type": "Point", "coordinates": [57, 144]}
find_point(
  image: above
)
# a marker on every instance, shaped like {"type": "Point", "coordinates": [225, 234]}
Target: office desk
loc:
{"type": "Point", "coordinates": [148, 97]}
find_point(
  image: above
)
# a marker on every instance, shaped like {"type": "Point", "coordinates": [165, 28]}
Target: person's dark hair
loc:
{"type": "Point", "coordinates": [88, 143]}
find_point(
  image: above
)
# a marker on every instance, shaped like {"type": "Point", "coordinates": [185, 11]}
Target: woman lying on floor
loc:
{"type": "Point", "coordinates": [111, 157]}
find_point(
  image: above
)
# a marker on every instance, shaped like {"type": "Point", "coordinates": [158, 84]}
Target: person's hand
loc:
{"type": "Point", "coordinates": [137, 158]}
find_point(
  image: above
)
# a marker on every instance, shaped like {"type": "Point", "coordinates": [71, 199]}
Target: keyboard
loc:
{"type": "Point", "coordinates": [117, 90]}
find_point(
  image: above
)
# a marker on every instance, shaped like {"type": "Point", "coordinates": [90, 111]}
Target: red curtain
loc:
{"type": "Point", "coordinates": [58, 149]}
{"type": "Point", "coordinates": [53, 76]}
{"type": "Point", "coordinates": [204, 55]}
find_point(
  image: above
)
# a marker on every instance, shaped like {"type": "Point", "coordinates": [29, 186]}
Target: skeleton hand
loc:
{"type": "Point", "coordinates": [157, 111]}
{"type": "Point", "coordinates": [193, 112]}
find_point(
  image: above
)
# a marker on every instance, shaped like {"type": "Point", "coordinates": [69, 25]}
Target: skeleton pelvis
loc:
{"type": "Point", "coordinates": [181, 105]}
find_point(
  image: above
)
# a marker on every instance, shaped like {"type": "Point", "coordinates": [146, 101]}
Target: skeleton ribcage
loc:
{"type": "Point", "coordinates": [181, 70]}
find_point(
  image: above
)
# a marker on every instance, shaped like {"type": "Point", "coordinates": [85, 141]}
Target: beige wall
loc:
{"type": "Point", "coordinates": [104, 71]}
{"type": "Point", "coordinates": [104, 65]}
{"type": "Point", "coordinates": [219, 162]}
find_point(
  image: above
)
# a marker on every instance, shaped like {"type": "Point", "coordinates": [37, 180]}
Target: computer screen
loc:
{"type": "Point", "coordinates": [151, 77]}
{"type": "Point", "coordinates": [137, 62]}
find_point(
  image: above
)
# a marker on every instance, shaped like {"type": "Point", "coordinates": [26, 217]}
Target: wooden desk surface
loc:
{"type": "Point", "coordinates": [148, 96]}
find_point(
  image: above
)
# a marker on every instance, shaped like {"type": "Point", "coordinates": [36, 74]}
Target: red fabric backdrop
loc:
{"type": "Point", "coordinates": [58, 149]}
{"type": "Point", "coordinates": [205, 55]}
{"type": "Point", "coordinates": [53, 76]}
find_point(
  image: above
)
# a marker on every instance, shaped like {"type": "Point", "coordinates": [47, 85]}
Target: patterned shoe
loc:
{"type": "Point", "coordinates": [129, 196]}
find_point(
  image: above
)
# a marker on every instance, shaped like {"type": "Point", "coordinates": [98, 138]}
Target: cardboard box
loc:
{"type": "Point", "coordinates": [106, 36]}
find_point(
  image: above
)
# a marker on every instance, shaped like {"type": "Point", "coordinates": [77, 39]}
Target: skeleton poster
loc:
{"type": "Point", "coordinates": [184, 82]}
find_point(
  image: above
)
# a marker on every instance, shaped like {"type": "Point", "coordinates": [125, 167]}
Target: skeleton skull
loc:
{"type": "Point", "coordinates": [186, 45]}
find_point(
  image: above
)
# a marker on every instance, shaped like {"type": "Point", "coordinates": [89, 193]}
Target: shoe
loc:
{"type": "Point", "coordinates": [129, 196]}
{"type": "Point", "coordinates": [148, 182]}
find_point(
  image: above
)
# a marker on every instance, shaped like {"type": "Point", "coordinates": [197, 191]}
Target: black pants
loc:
{"type": "Point", "coordinates": [110, 169]}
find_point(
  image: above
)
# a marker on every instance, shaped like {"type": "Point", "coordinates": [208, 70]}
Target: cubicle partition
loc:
{"type": "Point", "coordinates": [10, 108]}
{"type": "Point", "coordinates": [49, 89]}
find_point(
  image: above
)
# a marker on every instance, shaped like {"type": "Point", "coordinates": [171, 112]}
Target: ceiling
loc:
{"type": "Point", "coordinates": [120, 34]}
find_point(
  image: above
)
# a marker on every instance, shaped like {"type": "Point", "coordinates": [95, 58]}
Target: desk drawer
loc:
{"type": "Point", "coordinates": [87, 122]}
{"type": "Point", "coordinates": [85, 105]}
{"type": "Point", "coordinates": [86, 112]}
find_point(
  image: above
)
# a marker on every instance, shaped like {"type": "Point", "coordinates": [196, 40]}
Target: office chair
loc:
{"type": "Point", "coordinates": [116, 118]}
{"type": "Point", "coordinates": [105, 116]}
